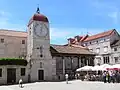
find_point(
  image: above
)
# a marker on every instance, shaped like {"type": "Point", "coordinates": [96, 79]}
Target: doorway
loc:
{"type": "Point", "coordinates": [11, 75]}
{"type": "Point", "coordinates": [41, 75]}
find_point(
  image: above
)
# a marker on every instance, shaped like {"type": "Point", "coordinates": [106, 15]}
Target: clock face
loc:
{"type": "Point", "coordinates": [40, 29]}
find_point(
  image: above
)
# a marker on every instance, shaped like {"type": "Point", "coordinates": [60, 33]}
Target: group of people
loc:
{"type": "Point", "coordinates": [111, 76]}
{"type": "Point", "coordinates": [105, 76]}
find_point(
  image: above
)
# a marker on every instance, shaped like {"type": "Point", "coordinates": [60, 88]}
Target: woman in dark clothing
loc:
{"type": "Point", "coordinates": [118, 77]}
{"type": "Point", "coordinates": [104, 76]}
{"type": "Point", "coordinates": [113, 77]}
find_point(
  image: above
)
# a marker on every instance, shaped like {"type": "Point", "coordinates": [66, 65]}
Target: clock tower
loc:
{"type": "Point", "coordinates": [41, 65]}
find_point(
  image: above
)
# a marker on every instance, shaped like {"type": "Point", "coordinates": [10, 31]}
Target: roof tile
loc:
{"type": "Point", "coordinates": [71, 49]}
{"type": "Point", "coordinates": [4, 32]}
{"type": "Point", "coordinates": [103, 34]}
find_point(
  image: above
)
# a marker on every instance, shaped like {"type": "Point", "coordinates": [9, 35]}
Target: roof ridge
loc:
{"type": "Point", "coordinates": [103, 32]}
{"type": "Point", "coordinates": [99, 35]}
{"type": "Point", "coordinates": [12, 30]}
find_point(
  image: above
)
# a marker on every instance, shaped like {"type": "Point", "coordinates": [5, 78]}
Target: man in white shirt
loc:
{"type": "Point", "coordinates": [20, 83]}
{"type": "Point", "coordinates": [66, 77]}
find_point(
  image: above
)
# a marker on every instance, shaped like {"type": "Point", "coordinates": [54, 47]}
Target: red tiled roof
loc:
{"type": "Point", "coordinates": [84, 37]}
{"type": "Point", "coordinates": [4, 32]}
{"type": "Point", "coordinates": [71, 49]}
{"type": "Point", "coordinates": [100, 35]}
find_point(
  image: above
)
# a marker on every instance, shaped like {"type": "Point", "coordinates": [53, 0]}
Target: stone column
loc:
{"type": "Point", "coordinates": [63, 65]}
{"type": "Point", "coordinates": [79, 61]}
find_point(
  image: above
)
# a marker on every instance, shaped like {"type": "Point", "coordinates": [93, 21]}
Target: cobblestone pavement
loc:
{"type": "Point", "coordinates": [73, 85]}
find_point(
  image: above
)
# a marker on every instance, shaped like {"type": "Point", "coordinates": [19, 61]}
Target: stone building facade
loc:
{"type": "Point", "coordinates": [116, 52]}
{"type": "Point", "coordinates": [69, 58]}
{"type": "Point", "coordinates": [100, 44]}
{"type": "Point", "coordinates": [45, 61]}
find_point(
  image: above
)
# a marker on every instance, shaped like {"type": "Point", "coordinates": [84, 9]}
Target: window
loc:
{"type": "Point", "coordinates": [22, 71]}
{"type": "Point", "coordinates": [97, 50]}
{"type": "Point", "coordinates": [85, 44]}
{"type": "Point", "coordinates": [102, 40]}
{"type": "Point", "coordinates": [91, 50]}
{"type": "Point", "coordinates": [0, 72]}
{"type": "Point", "coordinates": [105, 48]}
{"type": "Point", "coordinates": [98, 59]}
{"type": "Point", "coordinates": [106, 60]}
{"type": "Point", "coordinates": [90, 43]}
{"type": "Point", "coordinates": [30, 32]}
{"type": "Point", "coordinates": [23, 41]}
{"type": "Point", "coordinates": [2, 40]}
{"type": "Point", "coordinates": [116, 59]}
{"type": "Point", "coordinates": [41, 65]}
{"type": "Point", "coordinates": [115, 49]}
{"type": "Point", "coordinates": [96, 41]}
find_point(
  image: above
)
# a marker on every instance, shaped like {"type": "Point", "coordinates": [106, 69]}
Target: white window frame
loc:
{"type": "Point", "coordinates": [97, 50]}
{"type": "Point", "coordinates": [105, 48]}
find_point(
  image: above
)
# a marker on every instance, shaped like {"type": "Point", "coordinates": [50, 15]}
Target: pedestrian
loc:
{"type": "Point", "coordinates": [110, 76]}
{"type": "Point", "coordinates": [113, 77]}
{"type": "Point", "coordinates": [104, 76]}
{"type": "Point", "coordinates": [78, 76]}
{"type": "Point", "coordinates": [117, 77]}
{"type": "Point", "coordinates": [107, 77]}
{"type": "Point", "coordinates": [66, 77]}
{"type": "Point", "coordinates": [20, 83]}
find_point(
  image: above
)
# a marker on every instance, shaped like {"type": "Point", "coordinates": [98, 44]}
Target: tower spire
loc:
{"type": "Point", "coordinates": [38, 10]}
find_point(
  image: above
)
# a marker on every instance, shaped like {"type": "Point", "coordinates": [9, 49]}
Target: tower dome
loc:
{"type": "Point", "coordinates": [38, 17]}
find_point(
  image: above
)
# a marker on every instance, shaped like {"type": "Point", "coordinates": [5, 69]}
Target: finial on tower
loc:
{"type": "Point", "coordinates": [38, 10]}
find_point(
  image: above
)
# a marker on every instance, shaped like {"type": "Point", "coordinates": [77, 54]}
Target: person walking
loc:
{"type": "Point", "coordinates": [104, 76]}
{"type": "Point", "coordinates": [118, 77]}
{"type": "Point", "coordinates": [110, 76]}
{"type": "Point", "coordinates": [107, 77]}
{"type": "Point", "coordinates": [20, 83]}
{"type": "Point", "coordinates": [66, 77]}
{"type": "Point", "coordinates": [113, 77]}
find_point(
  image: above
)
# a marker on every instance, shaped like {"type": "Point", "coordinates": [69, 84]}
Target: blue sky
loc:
{"type": "Point", "coordinates": [67, 17]}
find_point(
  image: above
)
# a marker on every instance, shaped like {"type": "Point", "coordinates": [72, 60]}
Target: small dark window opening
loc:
{"type": "Point", "coordinates": [23, 41]}
{"type": "Point", "coordinates": [0, 72]}
{"type": "Point", "coordinates": [2, 40]}
{"type": "Point", "coordinates": [30, 32]}
{"type": "Point", "coordinates": [41, 55]}
{"type": "Point", "coordinates": [115, 49]}
{"type": "Point", "coordinates": [85, 44]}
{"type": "Point", "coordinates": [37, 47]}
{"type": "Point", "coordinates": [22, 71]}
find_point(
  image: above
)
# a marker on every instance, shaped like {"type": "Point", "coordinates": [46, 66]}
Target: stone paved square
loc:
{"type": "Point", "coordinates": [73, 85]}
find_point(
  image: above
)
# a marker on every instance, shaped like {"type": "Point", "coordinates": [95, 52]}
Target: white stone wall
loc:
{"type": "Point", "coordinates": [102, 42]}
{"type": "Point", "coordinates": [3, 79]}
{"type": "Point", "coordinates": [116, 54]}
{"type": "Point", "coordinates": [12, 47]}
{"type": "Point", "coordinates": [34, 44]}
